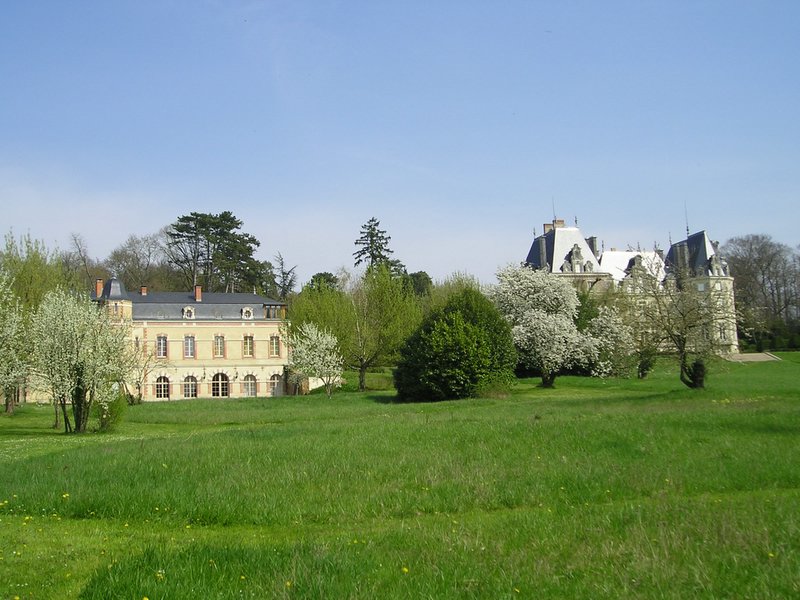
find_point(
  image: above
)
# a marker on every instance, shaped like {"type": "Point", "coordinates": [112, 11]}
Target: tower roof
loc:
{"type": "Point", "coordinates": [562, 249]}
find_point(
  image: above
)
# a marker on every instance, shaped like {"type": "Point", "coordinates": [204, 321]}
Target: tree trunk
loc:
{"type": "Point", "coordinates": [548, 380]}
{"type": "Point", "coordinates": [362, 377]}
{"type": "Point", "coordinates": [80, 408]}
{"type": "Point", "coordinates": [65, 414]}
{"type": "Point", "coordinates": [10, 395]}
{"type": "Point", "coordinates": [693, 376]}
{"type": "Point", "coordinates": [57, 421]}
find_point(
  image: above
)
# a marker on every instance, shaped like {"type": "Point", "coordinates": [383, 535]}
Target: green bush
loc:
{"type": "Point", "coordinates": [459, 349]}
{"type": "Point", "coordinates": [109, 415]}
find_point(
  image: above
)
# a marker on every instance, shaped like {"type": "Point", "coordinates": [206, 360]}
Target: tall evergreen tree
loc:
{"type": "Point", "coordinates": [211, 251]}
{"type": "Point", "coordinates": [373, 245]}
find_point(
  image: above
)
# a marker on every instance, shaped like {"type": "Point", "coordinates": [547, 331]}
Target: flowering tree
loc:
{"type": "Point", "coordinates": [541, 309]}
{"type": "Point", "coordinates": [371, 316]}
{"type": "Point", "coordinates": [315, 353]}
{"type": "Point", "coordinates": [13, 363]}
{"type": "Point", "coordinates": [612, 344]}
{"type": "Point", "coordinates": [79, 355]}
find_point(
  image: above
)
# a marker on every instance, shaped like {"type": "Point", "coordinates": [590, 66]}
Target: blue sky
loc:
{"type": "Point", "coordinates": [460, 125]}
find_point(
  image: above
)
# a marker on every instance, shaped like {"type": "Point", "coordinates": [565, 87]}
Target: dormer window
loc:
{"type": "Point", "coordinates": [247, 313]}
{"type": "Point", "coordinates": [188, 312]}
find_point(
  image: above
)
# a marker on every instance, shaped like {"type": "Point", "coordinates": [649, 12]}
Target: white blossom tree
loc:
{"type": "Point", "coordinates": [541, 309]}
{"type": "Point", "coordinates": [315, 353]}
{"type": "Point", "coordinates": [612, 342]}
{"type": "Point", "coordinates": [79, 356]}
{"type": "Point", "coordinates": [13, 363]}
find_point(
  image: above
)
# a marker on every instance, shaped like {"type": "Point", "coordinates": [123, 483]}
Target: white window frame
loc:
{"type": "Point", "coordinates": [189, 343]}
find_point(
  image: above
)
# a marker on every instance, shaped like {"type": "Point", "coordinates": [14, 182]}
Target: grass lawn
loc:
{"type": "Point", "coordinates": [596, 489]}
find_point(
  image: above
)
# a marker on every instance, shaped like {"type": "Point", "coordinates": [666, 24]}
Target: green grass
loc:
{"type": "Point", "coordinates": [596, 489]}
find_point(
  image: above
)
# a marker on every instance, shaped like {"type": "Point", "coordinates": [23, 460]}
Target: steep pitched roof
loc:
{"type": "Point", "coordinates": [698, 254]}
{"type": "Point", "coordinates": [558, 249]}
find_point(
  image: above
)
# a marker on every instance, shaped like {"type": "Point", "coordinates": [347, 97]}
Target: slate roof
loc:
{"type": "Point", "coordinates": [170, 305]}
{"type": "Point", "coordinates": [698, 254]}
{"type": "Point", "coordinates": [552, 249]}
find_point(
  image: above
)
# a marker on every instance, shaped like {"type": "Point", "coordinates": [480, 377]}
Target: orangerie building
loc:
{"type": "Point", "coordinates": [202, 344]}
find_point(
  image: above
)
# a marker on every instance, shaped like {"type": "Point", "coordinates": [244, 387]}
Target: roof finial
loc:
{"type": "Point", "coordinates": [553, 202]}
{"type": "Point", "coordinates": [576, 220]}
{"type": "Point", "coordinates": [686, 216]}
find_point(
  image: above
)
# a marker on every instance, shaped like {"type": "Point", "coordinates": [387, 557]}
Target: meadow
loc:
{"type": "Point", "coordinates": [595, 489]}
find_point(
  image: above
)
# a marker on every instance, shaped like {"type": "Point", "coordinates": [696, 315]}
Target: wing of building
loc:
{"type": "Point", "coordinates": [564, 251]}
{"type": "Point", "coordinates": [200, 344]}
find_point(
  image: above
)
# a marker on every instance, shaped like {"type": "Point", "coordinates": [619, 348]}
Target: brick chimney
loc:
{"type": "Point", "coordinates": [143, 291]}
{"type": "Point", "coordinates": [98, 288]}
{"type": "Point", "coordinates": [198, 293]}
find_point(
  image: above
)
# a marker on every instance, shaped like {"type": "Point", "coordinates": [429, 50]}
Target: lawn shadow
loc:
{"type": "Point", "coordinates": [383, 398]}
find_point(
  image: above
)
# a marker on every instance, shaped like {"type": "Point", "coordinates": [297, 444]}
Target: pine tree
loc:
{"type": "Point", "coordinates": [373, 245]}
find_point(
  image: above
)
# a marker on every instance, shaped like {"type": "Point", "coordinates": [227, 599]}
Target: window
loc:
{"type": "Point", "coordinates": [274, 346]}
{"type": "Point", "coordinates": [219, 386]}
{"type": "Point", "coordinates": [188, 312]}
{"type": "Point", "coordinates": [271, 312]}
{"type": "Point", "coordinates": [248, 346]}
{"type": "Point", "coordinates": [162, 388]}
{"type": "Point", "coordinates": [275, 385]}
{"type": "Point", "coordinates": [161, 346]}
{"type": "Point", "coordinates": [190, 387]}
{"type": "Point", "coordinates": [247, 313]}
{"type": "Point", "coordinates": [219, 346]}
{"type": "Point", "coordinates": [188, 346]}
{"type": "Point", "coordinates": [250, 386]}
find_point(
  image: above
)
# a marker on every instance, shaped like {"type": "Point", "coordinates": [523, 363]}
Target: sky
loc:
{"type": "Point", "coordinates": [462, 126]}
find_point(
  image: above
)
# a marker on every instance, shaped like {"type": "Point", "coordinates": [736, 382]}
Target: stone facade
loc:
{"type": "Point", "coordinates": [196, 344]}
{"type": "Point", "coordinates": [563, 251]}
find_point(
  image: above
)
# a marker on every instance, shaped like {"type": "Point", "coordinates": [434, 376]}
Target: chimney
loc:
{"type": "Point", "coordinates": [98, 288]}
{"type": "Point", "coordinates": [547, 227]}
{"type": "Point", "coordinates": [143, 291]}
{"type": "Point", "coordinates": [558, 223]}
{"type": "Point", "coordinates": [198, 293]}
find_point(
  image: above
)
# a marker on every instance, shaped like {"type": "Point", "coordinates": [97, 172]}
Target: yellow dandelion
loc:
{"type": "Point", "coordinates": [405, 569]}
{"type": "Point", "coordinates": [242, 577]}
{"type": "Point", "coordinates": [288, 584]}
{"type": "Point", "coordinates": [65, 495]}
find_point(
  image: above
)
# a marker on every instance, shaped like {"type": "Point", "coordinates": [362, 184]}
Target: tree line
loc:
{"type": "Point", "coordinates": [446, 339]}
{"type": "Point", "coordinates": [767, 286]}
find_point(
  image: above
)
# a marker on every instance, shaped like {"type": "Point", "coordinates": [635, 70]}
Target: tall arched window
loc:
{"type": "Point", "coordinates": [250, 386]}
{"type": "Point", "coordinates": [219, 386]}
{"type": "Point", "coordinates": [190, 387]}
{"type": "Point", "coordinates": [162, 388]}
{"type": "Point", "coordinates": [275, 387]}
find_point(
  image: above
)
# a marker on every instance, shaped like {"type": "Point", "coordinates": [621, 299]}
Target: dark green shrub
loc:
{"type": "Point", "coordinates": [110, 415]}
{"type": "Point", "coordinates": [459, 349]}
